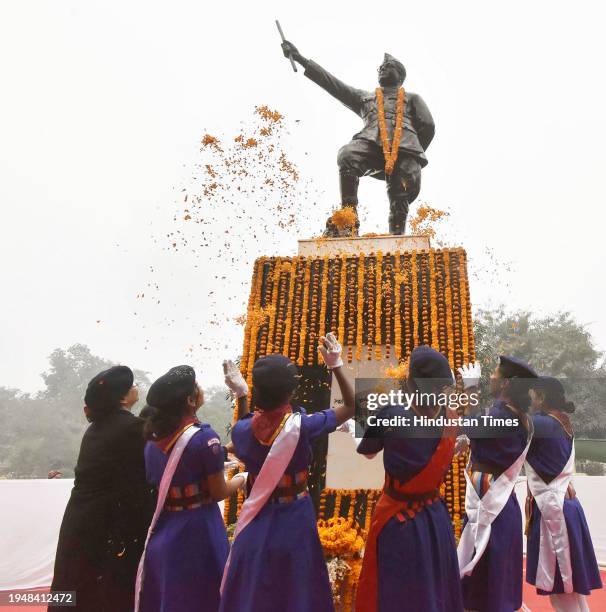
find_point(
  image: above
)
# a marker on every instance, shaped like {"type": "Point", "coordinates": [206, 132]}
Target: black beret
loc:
{"type": "Point", "coordinates": [109, 387]}
{"type": "Point", "coordinates": [549, 384]}
{"type": "Point", "coordinates": [512, 367]}
{"type": "Point", "coordinates": [426, 362]}
{"type": "Point", "coordinates": [275, 372]}
{"type": "Point", "coordinates": [174, 386]}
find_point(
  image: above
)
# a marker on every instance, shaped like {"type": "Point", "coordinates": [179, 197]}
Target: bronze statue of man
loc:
{"type": "Point", "coordinates": [365, 155]}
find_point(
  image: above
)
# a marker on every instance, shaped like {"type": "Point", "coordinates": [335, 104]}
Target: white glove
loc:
{"type": "Point", "coordinates": [470, 374]}
{"type": "Point", "coordinates": [331, 351]}
{"type": "Point", "coordinates": [234, 379]}
{"type": "Point", "coordinates": [461, 445]}
{"type": "Point", "coordinates": [348, 427]}
{"type": "Point", "coordinates": [244, 478]}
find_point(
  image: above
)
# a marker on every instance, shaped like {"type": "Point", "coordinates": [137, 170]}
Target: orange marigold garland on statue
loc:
{"type": "Point", "coordinates": [390, 151]}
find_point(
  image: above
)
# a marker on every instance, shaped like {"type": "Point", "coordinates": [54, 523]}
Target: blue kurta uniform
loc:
{"type": "Point", "coordinates": [495, 584]}
{"type": "Point", "coordinates": [187, 553]}
{"type": "Point", "coordinates": [277, 562]}
{"type": "Point", "coordinates": [417, 560]}
{"type": "Point", "coordinates": [548, 454]}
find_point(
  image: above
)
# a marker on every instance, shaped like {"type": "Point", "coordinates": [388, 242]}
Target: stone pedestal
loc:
{"type": "Point", "coordinates": [318, 247]}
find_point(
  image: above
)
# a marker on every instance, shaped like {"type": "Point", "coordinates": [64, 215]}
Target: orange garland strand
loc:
{"type": "Point", "coordinates": [378, 302]}
{"type": "Point", "coordinates": [390, 152]}
{"type": "Point", "coordinates": [360, 308]}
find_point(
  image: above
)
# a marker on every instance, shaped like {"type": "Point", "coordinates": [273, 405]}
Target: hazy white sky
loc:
{"type": "Point", "coordinates": [103, 105]}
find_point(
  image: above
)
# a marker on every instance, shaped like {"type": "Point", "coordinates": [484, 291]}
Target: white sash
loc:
{"type": "Point", "coordinates": [481, 512]}
{"type": "Point", "coordinates": [167, 476]}
{"type": "Point", "coordinates": [553, 544]}
{"type": "Point", "coordinates": [272, 470]}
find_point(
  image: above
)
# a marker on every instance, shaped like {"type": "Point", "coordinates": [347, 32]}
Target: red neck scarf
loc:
{"type": "Point", "coordinates": [267, 424]}
{"type": "Point", "coordinates": [166, 443]}
{"type": "Point", "coordinates": [563, 419]}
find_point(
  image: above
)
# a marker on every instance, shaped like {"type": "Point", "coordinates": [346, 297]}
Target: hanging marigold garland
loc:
{"type": "Point", "coordinates": [315, 308]}
{"type": "Point", "coordinates": [342, 293]}
{"type": "Point", "coordinates": [390, 151]}
{"type": "Point", "coordinates": [304, 312]}
{"type": "Point", "coordinates": [448, 309]}
{"type": "Point", "coordinates": [283, 290]}
{"type": "Point", "coordinates": [323, 296]}
{"type": "Point", "coordinates": [371, 323]}
{"type": "Point", "coordinates": [289, 305]}
{"type": "Point", "coordinates": [378, 305]}
{"type": "Point", "coordinates": [360, 308]}
{"type": "Point", "coordinates": [276, 276]}
{"type": "Point", "coordinates": [433, 300]}
{"type": "Point", "coordinates": [425, 296]}
{"type": "Point", "coordinates": [397, 320]}
{"type": "Point", "coordinates": [387, 289]}
{"type": "Point", "coordinates": [414, 283]}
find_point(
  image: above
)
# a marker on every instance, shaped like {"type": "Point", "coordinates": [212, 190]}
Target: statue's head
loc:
{"type": "Point", "coordinates": [391, 72]}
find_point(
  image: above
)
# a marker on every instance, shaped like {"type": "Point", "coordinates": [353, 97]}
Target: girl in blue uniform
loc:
{"type": "Point", "coordinates": [410, 560]}
{"type": "Point", "coordinates": [186, 553]}
{"type": "Point", "coordinates": [550, 455]}
{"type": "Point", "coordinates": [276, 561]}
{"type": "Point", "coordinates": [494, 584]}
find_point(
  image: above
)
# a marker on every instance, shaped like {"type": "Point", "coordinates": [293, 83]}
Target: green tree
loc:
{"type": "Point", "coordinates": [556, 345]}
{"type": "Point", "coordinates": [217, 410]}
{"type": "Point", "coordinates": [43, 431]}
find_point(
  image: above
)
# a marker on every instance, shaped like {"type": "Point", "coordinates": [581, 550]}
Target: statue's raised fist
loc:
{"type": "Point", "coordinates": [289, 49]}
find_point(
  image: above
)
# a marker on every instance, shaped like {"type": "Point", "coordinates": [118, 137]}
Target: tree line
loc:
{"type": "Point", "coordinates": [42, 431]}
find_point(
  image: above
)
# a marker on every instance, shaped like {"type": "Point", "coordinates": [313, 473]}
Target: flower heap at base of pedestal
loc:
{"type": "Point", "coordinates": [343, 543]}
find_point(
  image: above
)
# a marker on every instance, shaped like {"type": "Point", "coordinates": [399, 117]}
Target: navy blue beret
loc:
{"type": "Point", "coordinates": [275, 372]}
{"type": "Point", "coordinates": [513, 367]}
{"type": "Point", "coordinates": [173, 387]}
{"type": "Point", "coordinates": [431, 366]}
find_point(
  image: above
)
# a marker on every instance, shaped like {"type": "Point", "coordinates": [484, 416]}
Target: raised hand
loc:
{"type": "Point", "coordinates": [330, 350]}
{"type": "Point", "coordinates": [289, 49]}
{"type": "Point", "coordinates": [470, 374]}
{"type": "Point", "coordinates": [234, 379]}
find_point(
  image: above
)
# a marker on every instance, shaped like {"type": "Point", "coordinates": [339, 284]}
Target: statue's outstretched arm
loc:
{"type": "Point", "coordinates": [423, 122]}
{"type": "Point", "coordinates": [349, 96]}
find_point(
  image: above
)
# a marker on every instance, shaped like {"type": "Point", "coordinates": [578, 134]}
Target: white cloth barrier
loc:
{"type": "Point", "coordinates": [30, 516]}
{"type": "Point", "coordinates": [31, 512]}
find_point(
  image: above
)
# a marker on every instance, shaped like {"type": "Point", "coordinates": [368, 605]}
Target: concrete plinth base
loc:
{"type": "Point", "coordinates": [318, 247]}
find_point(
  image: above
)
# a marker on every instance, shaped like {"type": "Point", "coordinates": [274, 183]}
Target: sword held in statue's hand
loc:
{"type": "Point", "coordinates": [290, 57]}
